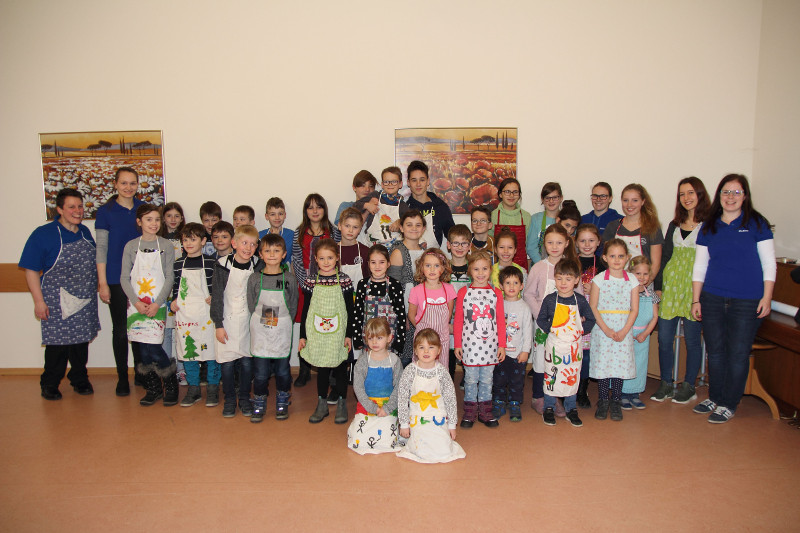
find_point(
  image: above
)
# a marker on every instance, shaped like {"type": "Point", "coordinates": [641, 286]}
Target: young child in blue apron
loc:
{"type": "Point", "coordinates": [146, 279]}
{"type": "Point", "coordinates": [615, 304]}
{"type": "Point", "coordinates": [426, 405]}
{"type": "Point", "coordinates": [232, 319]}
{"type": "Point", "coordinates": [379, 296]}
{"type": "Point", "coordinates": [272, 303]}
{"type": "Point", "coordinates": [564, 316]}
{"type": "Point", "coordinates": [65, 297]}
{"type": "Point", "coordinates": [374, 428]}
{"type": "Point", "coordinates": [645, 323]}
{"type": "Point", "coordinates": [194, 329]}
{"type": "Point", "coordinates": [326, 331]}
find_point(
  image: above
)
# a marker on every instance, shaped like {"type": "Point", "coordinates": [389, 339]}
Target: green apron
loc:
{"type": "Point", "coordinates": [326, 326]}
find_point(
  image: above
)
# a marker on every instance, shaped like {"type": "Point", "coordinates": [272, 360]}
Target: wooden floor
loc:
{"type": "Point", "coordinates": [102, 463]}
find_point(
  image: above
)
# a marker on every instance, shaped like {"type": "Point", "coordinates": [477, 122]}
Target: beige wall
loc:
{"type": "Point", "coordinates": [264, 98]}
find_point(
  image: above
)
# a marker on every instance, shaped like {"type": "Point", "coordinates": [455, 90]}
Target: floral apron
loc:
{"type": "Point", "coordinates": [147, 278]}
{"type": "Point", "coordinates": [326, 327]}
{"type": "Point", "coordinates": [563, 353]}
{"type": "Point", "coordinates": [193, 326]}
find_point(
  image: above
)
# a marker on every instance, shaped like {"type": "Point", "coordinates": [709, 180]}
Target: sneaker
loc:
{"type": "Point", "coordinates": [616, 410]}
{"type": "Point", "coordinates": [574, 419]}
{"type": "Point", "coordinates": [229, 410]}
{"type": "Point", "coordinates": [637, 403]}
{"type": "Point", "coordinates": [720, 415]}
{"type": "Point", "coordinates": [602, 410]}
{"type": "Point", "coordinates": [515, 413]}
{"type": "Point", "coordinates": [538, 405]}
{"type": "Point", "coordinates": [625, 404]}
{"type": "Point", "coordinates": [498, 408]}
{"type": "Point", "coordinates": [333, 397]}
{"type": "Point", "coordinates": [685, 394]}
{"type": "Point", "coordinates": [705, 407]}
{"type": "Point", "coordinates": [665, 390]}
{"type": "Point", "coordinates": [246, 406]}
{"type": "Point", "coordinates": [549, 417]}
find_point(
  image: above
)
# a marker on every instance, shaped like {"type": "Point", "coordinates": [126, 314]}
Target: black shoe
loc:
{"type": "Point", "coordinates": [303, 376]}
{"type": "Point", "coordinates": [583, 398]}
{"type": "Point", "coordinates": [333, 397]}
{"type": "Point", "coordinates": [549, 417]}
{"type": "Point", "coordinates": [602, 410]}
{"type": "Point", "coordinates": [51, 393]}
{"type": "Point", "coordinates": [123, 388]}
{"type": "Point", "coordinates": [616, 410]}
{"type": "Point", "coordinates": [84, 389]}
{"type": "Point", "coordinates": [466, 424]}
{"type": "Point", "coordinates": [246, 407]}
{"type": "Point", "coordinates": [574, 419]}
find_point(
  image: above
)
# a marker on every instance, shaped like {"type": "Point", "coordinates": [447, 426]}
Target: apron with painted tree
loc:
{"type": "Point", "coordinates": [563, 352]}
{"type": "Point", "coordinates": [379, 232]}
{"type": "Point", "coordinates": [271, 323]}
{"type": "Point", "coordinates": [370, 433]}
{"type": "Point", "coordinates": [437, 317]}
{"type": "Point", "coordinates": [147, 279]}
{"type": "Point", "coordinates": [326, 327]}
{"type": "Point", "coordinates": [236, 319]}
{"type": "Point", "coordinates": [69, 289]}
{"type": "Point", "coordinates": [430, 440]}
{"type": "Point", "coordinates": [194, 329]}
{"type": "Point", "coordinates": [539, 336]}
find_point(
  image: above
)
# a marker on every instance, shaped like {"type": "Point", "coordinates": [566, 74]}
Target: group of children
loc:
{"type": "Point", "coordinates": [374, 283]}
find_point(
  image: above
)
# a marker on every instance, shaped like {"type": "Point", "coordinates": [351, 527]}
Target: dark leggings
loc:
{"type": "Point", "coordinates": [613, 384]}
{"type": "Point", "coordinates": [118, 306]}
{"type": "Point", "coordinates": [585, 365]}
{"type": "Point", "coordinates": [538, 384]}
{"type": "Point", "coordinates": [324, 378]}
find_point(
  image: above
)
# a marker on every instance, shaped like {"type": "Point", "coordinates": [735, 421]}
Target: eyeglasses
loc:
{"type": "Point", "coordinates": [390, 182]}
{"type": "Point", "coordinates": [735, 193]}
{"type": "Point", "coordinates": [551, 198]}
{"type": "Point", "coordinates": [480, 221]}
{"type": "Point", "coordinates": [510, 193]}
{"type": "Point", "coordinates": [599, 196]}
{"type": "Point", "coordinates": [459, 244]}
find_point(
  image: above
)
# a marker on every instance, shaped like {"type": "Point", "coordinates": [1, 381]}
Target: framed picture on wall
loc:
{"type": "Point", "coordinates": [87, 161]}
{"type": "Point", "coordinates": [466, 164]}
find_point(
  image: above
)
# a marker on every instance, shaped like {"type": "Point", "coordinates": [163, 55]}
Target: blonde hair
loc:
{"type": "Point", "coordinates": [639, 260]}
{"type": "Point", "coordinates": [419, 274]}
{"type": "Point", "coordinates": [377, 326]}
{"type": "Point", "coordinates": [478, 255]}
{"type": "Point", "coordinates": [245, 230]}
{"type": "Point", "coordinates": [427, 335]}
{"type": "Point", "coordinates": [648, 215]}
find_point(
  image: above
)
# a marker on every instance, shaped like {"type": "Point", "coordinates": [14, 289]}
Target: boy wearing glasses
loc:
{"type": "Point", "coordinates": [601, 215]}
{"type": "Point", "coordinates": [459, 242]}
{"type": "Point", "coordinates": [383, 209]}
{"type": "Point", "coordinates": [481, 225]}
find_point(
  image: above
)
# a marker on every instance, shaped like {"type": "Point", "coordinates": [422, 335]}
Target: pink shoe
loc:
{"type": "Point", "coordinates": [538, 405]}
{"type": "Point", "coordinates": [560, 412]}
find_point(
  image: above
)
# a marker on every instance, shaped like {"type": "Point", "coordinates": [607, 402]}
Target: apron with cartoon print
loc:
{"type": "Point", "coordinates": [236, 320]}
{"type": "Point", "coordinates": [147, 279]}
{"type": "Point", "coordinates": [437, 317]}
{"type": "Point", "coordinates": [562, 351]}
{"type": "Point", "coordinates": [379, 232]}
{"type": "Point", "coordinates": [520, 256]}
{"type": "Point", "coordinates": [539, 336]}
{"type": "Point", "coordinates": [479, 336]}
{"type": "Point", "coordinates": [271, 323]}
{"type": "Point", "coordinates": [370, 433]}
{"type": "Point", "coordinates": [69, 289]}
{"type": "Point", "coordinates": [379, 306]}
{"type": "Point", "coordinates": [194, 329]}
{"type": "Point", "coordinates": [430, 440]}
{"type": "Point", "coordinates": [326, 327]}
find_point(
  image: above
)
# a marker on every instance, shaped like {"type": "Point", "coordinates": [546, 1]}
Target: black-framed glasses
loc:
{"type": "Point", "coordinates": [510, 193]}
{"type": "Point", "coordinates": [599, 196]}
{"type": "Point", "coordinates": [551, 198]}
{"type": "Point", "coordinates": [390, 182]}
{"type": "Point", "coordinates": [477, 221]}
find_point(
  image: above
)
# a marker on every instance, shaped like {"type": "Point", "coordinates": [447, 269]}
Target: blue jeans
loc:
{"type": "Point", "coordinates": [152, 354]}
{"type": "Point", "coordinates": [264, 367]}
{"type": "Point", "coordinates": [666, 344]}
{"type": "Point", "coordinates": [228, 382]}
{"type": "Point", "coordinates": [478, 383]}
{"type": "Point", "coordinates": [729, 327]}
{"type": "Point", "coordinates": [193, 372]}
{"type": "Point", "coordinates": [569, 402]}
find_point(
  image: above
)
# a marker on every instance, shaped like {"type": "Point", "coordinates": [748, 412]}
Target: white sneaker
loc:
{"type": "Point", "coordinates": [720, 415]}
{"type": "Point", "coordinates": [704, 407]}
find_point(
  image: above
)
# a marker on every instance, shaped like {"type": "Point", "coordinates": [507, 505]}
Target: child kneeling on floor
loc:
{"type": "Point", "coordinates": [375, 378]}
{"type": "Point", "coordinates": [563, 316]}
{"type": "Point", "coordinates": [426, 405]}
{"type": "Point", "coordinates": [272, 294]}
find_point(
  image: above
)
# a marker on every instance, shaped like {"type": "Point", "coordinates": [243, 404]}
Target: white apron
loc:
{"type": "Point", "coordinates": [428, 239]}
{"type": "Point", "coordinates": [147, 278]}
{"type": "Point", "coordinates": [562, 351]}
{"type": "Point", "coordinates": [539, 336]}
{"type": "Point", "coordinates": [194, 329]}
{"type": "Point", "coordinates": [430, 440]}
{"type": "Point", "coordinates": [378, 232]}
{"type": "Point", "coordinates": [370, 433]}
{"type": "Point", "coordinates": [633, 242]}
{"type": "Point", "coordinates": [176, 245]}
{"type": "Point", "coordinates": [236, 320]}
{"type": "Point", "coordinates": [271, 323]}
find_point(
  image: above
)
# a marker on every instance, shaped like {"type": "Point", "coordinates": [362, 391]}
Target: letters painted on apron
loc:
{"type": "Point", "coordinates": [563, 353]}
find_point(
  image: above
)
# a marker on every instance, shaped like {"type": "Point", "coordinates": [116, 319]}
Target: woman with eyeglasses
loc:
{"type": "Point", "coordinates": [551, 200]}
{"type": "Point", "coordinates": [601, 214]}
{"type": "Point", "coordinates": [510, 216]}
{"type": "Point", "coordinates": [732, 283]}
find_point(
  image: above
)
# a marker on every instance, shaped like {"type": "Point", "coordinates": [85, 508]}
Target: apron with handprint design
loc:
{"type": "Point", "coordinates": [563, 352]}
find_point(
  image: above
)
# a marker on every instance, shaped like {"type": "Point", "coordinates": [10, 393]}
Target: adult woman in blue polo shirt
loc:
{"type": "Point", "coordinates": [115, 225]}
{"type": "Point", "coordinates": [732, 283]}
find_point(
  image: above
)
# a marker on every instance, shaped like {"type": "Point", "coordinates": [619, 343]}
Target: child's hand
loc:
{"type": "Point", "coordinates": [395, 226]}
{"type": "Point", "coordinates": [458, 352]}
{"type": "Point", "coordinates": [174, 306]}
{"type": "Point", "coordinates": [301, 344]}
{"type": "Point", "coordinates": [222, 337]}
{"type": "Point", "coordinates": [453, 434]}
{"type": "Point", "coordinates": [406, 432]}
{"type": "Point", "coordinates": [523, 357]}
{"type": "Point", "coordinates": [372, 206]}
{"type": "Point", "coordinates": [381, 412]}
{"type": "Point", "coordinates": [348, 343]}
{"type": "Point", "coordinates": [640, 338]}
{"type": "Point", "coordinates": [618, 336]}
{"type": "Point", "coordinates": [501, 354]}
{"type": "Point", "coordinates": [208, 300]}
{"type": "Point", "coordinates": [587, 287]}
{"type": "Point", "coordinates": [152, 309]}
{"type": "Point", "coordinates": [141, 307]}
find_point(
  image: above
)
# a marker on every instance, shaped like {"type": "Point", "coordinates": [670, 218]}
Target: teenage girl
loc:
{"type": "Point", "coordinates": [601, 214]}
{"type": "Point", "coordinates": [541, 282]}
{"type": "Point", "coordinates": [509, 216]}
{"type": "Point", "coordinates": [505, 247]}
{"type": "Point", "coordinates": [172, 223]}
{"type": "Point", "coordinates": [430, 304]}
{"type": "Point", "coordinates": [314, 226]}
{"type": "Point", "coordinates": [639, 229]}
{"type": "Point", "coordinates": [569, 217]}
{"type": "Point", "coordinates": [146, 278]}
{"type": "Point", "coordinates": [380, 296]}
{"type": "Point", "coordinates": [401, 267]}
{"type": "Point", "coordinates": [551, 200]}
{"type": "Point", "coordinates": [588, 242]}
{"type": "Point", "coordinates": [642, 328]}
{"type": "Point", "coordinates": [326, 332]}
{"type": "Point", "coordinates": [615, 304]}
